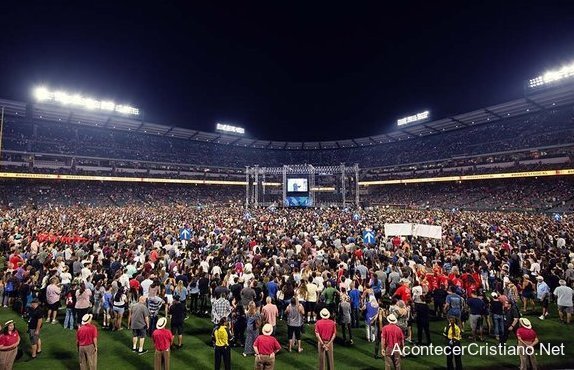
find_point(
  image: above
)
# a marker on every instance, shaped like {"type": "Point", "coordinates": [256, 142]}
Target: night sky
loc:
{"type": "Point", "coordinates": [285, 70]}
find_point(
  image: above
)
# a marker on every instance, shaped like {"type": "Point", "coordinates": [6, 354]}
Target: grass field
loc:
{"type": "Point", "coordinates": [59, 350]}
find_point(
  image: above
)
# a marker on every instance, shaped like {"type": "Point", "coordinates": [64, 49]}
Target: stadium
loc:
{"type": "Point", "coordinates": [43, 138]}
{"type": "Point", "coordinates": [456, 227]}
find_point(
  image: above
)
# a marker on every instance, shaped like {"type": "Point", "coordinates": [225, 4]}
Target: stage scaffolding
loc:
{"type": "Point", "coordinates": [268, 185]}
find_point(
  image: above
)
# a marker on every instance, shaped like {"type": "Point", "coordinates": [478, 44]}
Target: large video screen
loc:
{"type": "Point", "coordinates": [297, 185]}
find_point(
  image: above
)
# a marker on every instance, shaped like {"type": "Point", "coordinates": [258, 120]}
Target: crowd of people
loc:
{"type": "Point", "coordinates": [129, 267]}
{"type": "Point", "coordinates": [551, 195]}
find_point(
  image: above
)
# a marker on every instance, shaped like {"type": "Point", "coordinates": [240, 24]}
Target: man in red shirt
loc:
{"type": "Point", "coordinates": [325, 331]}
{"type": "Point", "coordinates": [87, 340]}
{"type": "Point", "coordinates": [404, 291]}
{"type": "Point", "coordinates": [392, 341]}
{"type": "Point", "coordinates": [526, 338]}
{"type": "Point", "coordinates": [15, 260]}
{"type": "Point", "coordinates": [162, 341]}
{"type": "Point", "coordinates": [266, 346]}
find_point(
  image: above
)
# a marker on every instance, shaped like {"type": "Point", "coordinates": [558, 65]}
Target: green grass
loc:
{"type": "Point", "coordinates": [59, 350]}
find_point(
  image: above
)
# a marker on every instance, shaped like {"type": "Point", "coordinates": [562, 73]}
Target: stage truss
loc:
{"type": "Point", "coordinates": [328, 185]}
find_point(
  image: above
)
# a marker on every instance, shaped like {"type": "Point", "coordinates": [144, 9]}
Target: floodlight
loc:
{"type": "Point", "coordinates": [43, 94]}
{"type": "Point", "coordinates": [552, 76]}
{"type": "Point", "coordinates": [422, 116]}
{"type": "Point", "coordinates": [229, 128]}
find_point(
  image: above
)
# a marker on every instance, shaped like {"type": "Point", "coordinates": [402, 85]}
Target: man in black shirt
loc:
{"type": "Point", "coordinates": [510, 315]}
{"type": "Point", "coordinates": [34, 325]}
{"type": "Point", "coordinates": [236, 289]}
{"type": "Point", "coordinates": [203, 285]}
{"type": "Point", "coordinates": [439, 298]}
{"type": "Point", "coordinates": [177, 313]}
{"type": "Point", "coordinates": [422, 317]}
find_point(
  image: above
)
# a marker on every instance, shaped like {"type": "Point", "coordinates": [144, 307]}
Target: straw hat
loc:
{"type": "Point", "coordinates": [392, 319]}
{"type": "Point", "coordinates": [87, 318]}
{"type": "Point", "coordinates": [161, 323]}
{"type": "Point", "coordinates": [325, 313]}
{"type": "Point", "coordinates": [526, 323]}
{"type": "Point", "coordinates": [267, 329]}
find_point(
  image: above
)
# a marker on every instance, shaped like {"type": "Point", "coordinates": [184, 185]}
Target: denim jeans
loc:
{"type": "Point", "coordinates": [355, 317]}
{"type": "Point", "coordinates": [69, 320]}
{"type": "Point", "coordinates": [498, 324]}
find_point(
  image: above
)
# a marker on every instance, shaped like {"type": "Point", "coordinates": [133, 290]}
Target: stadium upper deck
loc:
{"type": "Point", "coordinates": [57, 137]}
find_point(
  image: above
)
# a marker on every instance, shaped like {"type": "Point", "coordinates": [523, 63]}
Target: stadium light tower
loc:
{"type": "Point", "coordinates": [551, 77]}
{"type": "Point", "coordinates": [43, 94]}
{"type": "Point", "coordinates": [223, 127]}
{"type": "Point", "coordinates": [419, 117]}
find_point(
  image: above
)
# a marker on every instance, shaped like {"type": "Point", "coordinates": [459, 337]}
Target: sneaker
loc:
{"type": "Point", "coordinates": [541, 317]}
{"type": "Point", "coordinates": [54, 321]}
{"type": "Point", "coordinates": [142, 352]}
{"type": "Point", "coordinates": [134, 349]}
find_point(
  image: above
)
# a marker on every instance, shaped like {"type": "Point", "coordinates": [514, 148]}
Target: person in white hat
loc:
{"type": "Point", "coordinates": [543, 295]}
{"type": "Point", "coordinates": [497, 315]}
{"type": "Point", "coordinates": [392, 337]}
{"type": "Point", "coordinates": [9, 341]}
{"type": "Point", "coordinates": [162, 339]}
{"type": "Point", "coordinates": [526, 337]}
{"type": "Point", "coordinates": [266, 346]}
{"type": "Point", "coordinates": [325, 332]}
{"type": "Point", "coordinates": [563, 294]}
{"type": "Point", "coordinates": [87, 341]}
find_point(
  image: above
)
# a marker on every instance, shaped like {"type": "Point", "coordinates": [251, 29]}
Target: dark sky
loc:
{"type": "Point", "coordinates": [285, 70]}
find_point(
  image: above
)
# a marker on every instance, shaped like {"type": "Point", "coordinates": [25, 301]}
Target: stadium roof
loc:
{"type": "Point", "coordinates": [559, 96]}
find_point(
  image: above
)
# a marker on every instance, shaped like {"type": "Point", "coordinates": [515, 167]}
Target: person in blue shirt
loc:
{"type": "Point", "coordinates": [453, 305]}
{"type": "Point", "coordinates": [355, 300]}
{"type": "Point", "coordinates": [476, 306]}
{"type": "Point", "coordinates": [272, 289]}
{"type": "Point", "coordinates": [543, 295]}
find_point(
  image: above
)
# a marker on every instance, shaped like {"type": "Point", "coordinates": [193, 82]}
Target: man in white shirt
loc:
{"type": "Point", "coordinates": [146, 284]}
{"type": "Point", "coordinates": [204, 266]}
{"type": "Point", "coordinates": [124, 279]}
{"type": "Point", "coordinates": [86, 273]}
{"type": "Point", "coordinates": [68, 253]}
{"type": "Point", "coordinates": [311, 300]}
{"type": "Point", "coordinates": [216, 270]}
{"type": "Point", "coordinates": [563, 294]}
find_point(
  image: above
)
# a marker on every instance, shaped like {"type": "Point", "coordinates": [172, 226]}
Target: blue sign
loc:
{"type": "Point", "coordinates": [368, 237]}
{"type": "Point", "coordinates": [356, 217]}
{"type": "Point", "coordinates": [185, 234]}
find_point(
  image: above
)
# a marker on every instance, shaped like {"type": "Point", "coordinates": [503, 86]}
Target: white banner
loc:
{"type": "Point", "coordinates": [398, 229]}
{"type": "Point", "coordinates": [427, 231]}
